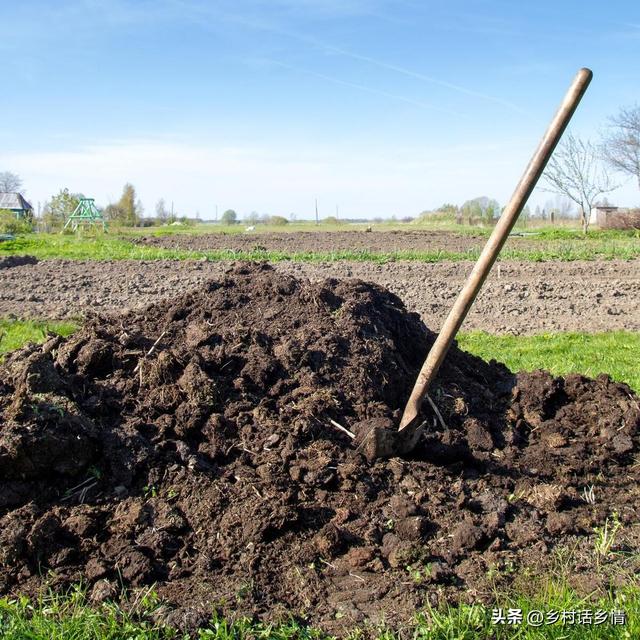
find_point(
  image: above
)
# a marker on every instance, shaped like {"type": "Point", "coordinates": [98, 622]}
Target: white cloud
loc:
{"type": "Point", "coordinates": [198, 177]}
{"type": "Point", "coordinates": [365, 182]}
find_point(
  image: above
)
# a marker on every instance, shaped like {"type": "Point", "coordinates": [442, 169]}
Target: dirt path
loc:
{"type": "Point", "coordinates": [520, 297]}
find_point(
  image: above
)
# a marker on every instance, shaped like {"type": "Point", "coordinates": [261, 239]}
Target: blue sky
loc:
{"type": "Point", "coordinates": [384, 108]}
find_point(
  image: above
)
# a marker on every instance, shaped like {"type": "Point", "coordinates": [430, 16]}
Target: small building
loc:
{"type": "Point", "coordinates": [14, 202]}
{"type": "Point", "coordinates": [607, 217]}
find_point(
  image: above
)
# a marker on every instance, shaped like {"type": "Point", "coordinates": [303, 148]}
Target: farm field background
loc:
{"type": "Point", "coordinates": [311, 243]}
{"type": "Point", "coordinates": [555, 301]}
{"type": "Point", "coordinates": [554, 281]}
{"type": "Point", "coordinates": [230, 234]}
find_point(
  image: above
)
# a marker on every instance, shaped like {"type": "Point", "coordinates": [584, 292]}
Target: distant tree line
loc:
{"type": "Point", "coordinates": [477, 211]}
{"type": "Point", "coordinates": [484, 211]}
{"type": "Point", "coordinates": [231, 217]}
{"type": "Point", "coordinates": [126, 212]}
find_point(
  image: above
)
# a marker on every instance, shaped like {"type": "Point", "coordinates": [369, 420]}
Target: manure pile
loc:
{"type": "Point", "coordinates": [192, 445]}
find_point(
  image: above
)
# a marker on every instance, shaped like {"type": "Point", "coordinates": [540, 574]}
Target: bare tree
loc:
{"type": "Point", "coordinates": [575, 171]}
{"type": "Point", "coordinates": [621, 148]}
{"type": "Point", "coordinates": [564, 207]}
{"type": "Point", "coordinates": [9, 182]}
{"type": "Point", "coordinates": [161, 211]}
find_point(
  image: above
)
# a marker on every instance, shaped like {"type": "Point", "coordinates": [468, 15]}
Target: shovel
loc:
{"type": "Point", "coordinates": [381, 442]}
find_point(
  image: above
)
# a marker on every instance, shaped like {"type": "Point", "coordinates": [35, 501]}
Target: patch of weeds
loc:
{"type": "Point", "coordinates": [68, 616]}
{"type": "Point", "coordinates": [420, 574]}
{"type": "Point", "coordinates": [110, 247]}
{"type": "Point", "coordinates": [244, 590]}
{"type": "Point", "coordinates": [606, 536]}
{"type": "Point", "coordinates": [495, 571]}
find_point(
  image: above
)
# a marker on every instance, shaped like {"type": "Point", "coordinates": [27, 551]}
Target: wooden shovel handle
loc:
{"type": "Point", "coordinates": [491, 250]}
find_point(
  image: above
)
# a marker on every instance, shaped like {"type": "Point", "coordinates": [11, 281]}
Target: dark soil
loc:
{"type": "Point", "coordinates": [192, 445]}
{"type": "Point", "coordinates": [329, 241]}
{"type": "Point", "coordinates": [9, 262]}
{"type": "Point", "coordinates": [518, 297]}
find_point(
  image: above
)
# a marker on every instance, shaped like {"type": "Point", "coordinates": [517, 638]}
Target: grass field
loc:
{"type": "Point", "coordinates": [616, 353]}
{"type": "Point", "coordinates": [569, 229]}
{"type": "Point", "coordinates": [560, 244]}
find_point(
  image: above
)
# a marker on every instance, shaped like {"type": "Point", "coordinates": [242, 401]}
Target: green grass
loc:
{"type": "Point", "coordinates": [616, 353]}
{"type": "Point", "coordinates": [575, 234]}
{"type": "Point", "coordinates": [557, 244]}
{"type": "Point", "coordinates": [468, 622]}
{"type": "Point", "coordinates": [69, 617]}
{"type": "Point", "coordinates": [567, 230]}
{"type": "Point", "coordinates": [15, 333]}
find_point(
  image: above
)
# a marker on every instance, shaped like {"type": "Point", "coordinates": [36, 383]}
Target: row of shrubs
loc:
{"type": "Point", "coordinates": [9, 223]}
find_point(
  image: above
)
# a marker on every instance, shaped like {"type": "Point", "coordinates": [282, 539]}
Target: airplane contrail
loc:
{"type": "Point", "coordinates": [312, 41]}
{"type": "Point", "coordinates": [361, 87]}
{"type": "Point", "coordinates": [421, 76]}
